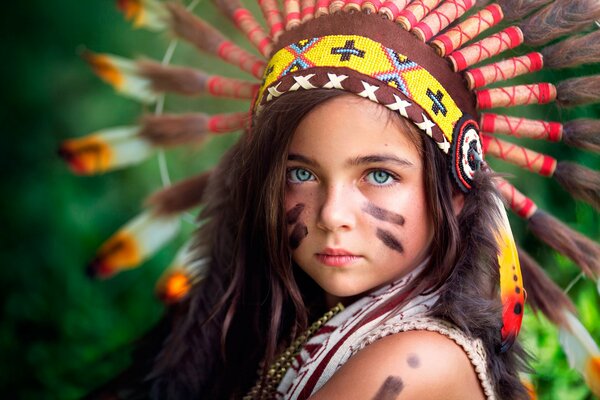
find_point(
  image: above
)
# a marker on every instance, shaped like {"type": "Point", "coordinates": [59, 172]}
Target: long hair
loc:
{"type": "Point", "coordinates": [254, 301]}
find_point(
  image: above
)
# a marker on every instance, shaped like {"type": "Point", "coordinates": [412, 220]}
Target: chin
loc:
{"type": "Point", "coordinates": [341, 287]}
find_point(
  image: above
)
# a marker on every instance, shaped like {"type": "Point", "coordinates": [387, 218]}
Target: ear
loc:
{"type": "Point", "coordinates": [458, 201]}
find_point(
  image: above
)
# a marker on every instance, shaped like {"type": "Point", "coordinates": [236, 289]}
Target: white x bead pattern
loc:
{"type": "Point", "coordinates": [335, 81]}
{"type": "Point", "coordinates": [302, 82]}
{"type": "Point", "coordinates": [399, 105]}
{"type": "Point", "coordinates": [369, 92]}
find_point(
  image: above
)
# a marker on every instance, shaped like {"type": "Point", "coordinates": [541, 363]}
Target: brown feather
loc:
{"type": "Point", "coordinates": [578, 50]}
{"type": "Point", "coordinates": [577, 91]}
{"type": "Point", "coordinates": [583, 133]}
{"type": "Point", "coordinates": [542, 293]}
{"type": "Point", "coordinates": [183, 80]}
{"type": "Point", "coordinates": [582, 250]}
{"type": "Point", "coordinates": [175, 130]}
{"type": "Point", "coordinates": [560, 18]}
{"type": "Point", "coordinates": [179, 197]}
{"type": "Point", "coordinates": [515, 9]}
{"type": "Point", "coordinates": [581, 182]}
{"type": "Point", "coordinates": [193, 29]}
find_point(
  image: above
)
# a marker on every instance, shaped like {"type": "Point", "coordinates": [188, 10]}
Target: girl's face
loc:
{"type": "Point", "coordinates": [355, 198]}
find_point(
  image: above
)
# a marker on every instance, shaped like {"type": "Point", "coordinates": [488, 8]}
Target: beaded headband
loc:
{"type": "Point", "coordinates": [349, 52]}
{"type": "Point", "coordinates": [429, 61]}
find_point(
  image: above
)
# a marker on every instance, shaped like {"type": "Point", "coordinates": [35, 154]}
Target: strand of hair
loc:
{"type": "Point", "coordinates": [583, 133]}
{"type": "Point", "coordinates": [543, 295]}
{"type": "Point", "coordinates": [179, 197]}
{"type": "Point", "coordinates": [579, 91]}
{"type": "Point", "coordinates": [581, 182]}
{"type": "Point", "coordinates": [558, 19]}
{"type": "Point", "coordinates": [582, 250]}
{"type": "Point", "coordinates": [516, 9]}
{"type": "Point", "coordinates": [572, 52]}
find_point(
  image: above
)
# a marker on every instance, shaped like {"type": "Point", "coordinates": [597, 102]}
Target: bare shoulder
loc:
{"type": "Point", "coordinates": [407, 365]}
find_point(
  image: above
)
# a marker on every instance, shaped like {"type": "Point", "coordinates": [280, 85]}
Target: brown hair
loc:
{"type": "Point", "coordinates": [253, 300]}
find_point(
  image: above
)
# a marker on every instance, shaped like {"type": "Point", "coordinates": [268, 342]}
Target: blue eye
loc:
{"type": "Point", "coordinates": [298, 175]}
{"type": "Point", "coordinates": [379, 177]}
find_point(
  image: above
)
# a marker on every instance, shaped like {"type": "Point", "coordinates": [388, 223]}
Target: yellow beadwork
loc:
{"type": "Point", "coordinates": [372, 59]}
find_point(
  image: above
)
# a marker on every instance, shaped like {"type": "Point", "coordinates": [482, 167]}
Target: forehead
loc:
{"type": "Point", "coordinates": [349, 126]}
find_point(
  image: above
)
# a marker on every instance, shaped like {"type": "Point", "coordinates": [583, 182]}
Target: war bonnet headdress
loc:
{"type": "Point", "coordinates": [440, 64]}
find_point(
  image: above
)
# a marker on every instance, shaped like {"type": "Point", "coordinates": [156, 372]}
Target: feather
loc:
{"type": "Point", "coordinates": [176, 130]}
{"type": "Point", "coordinates": [582, 250]}
{"type": "Point", "coordinates": [133, 244]}
{"type": "Point", "coordinates": [149, 14]}
{"type": "Point", "coordinates": [583, 133]}
{"type": "Point", "coordinates": [581, 350]}
{"type": "Point", "coordinates": [572, 52]}
{"type": "Point", "coordinates": [122, 74]}
{"type": "Point", "coordinates": [511, 282]}
{"type": "Point", "coordinates": [179, 197]}
{"type": "Point", "coordinates": [105, 150]}
{"type": "Point", "coordinates": [542, 293]}
{"type": "Point", "coordinates": [192, 82]}
{"type": "Point", "coordinates": [246, 23]}
{"type": "Point", "coordinates": [578, 91]}
{"type": "Point", "coordinates": [206, 38]}
{"type": "Point", "coordinates": [558, 19]}
{"type": "Point", "coordinates": [185, 271]}
{"type": "Point", "coordinates": [581, 182]}
{"type": "Point", "coordinates": [516, 9]}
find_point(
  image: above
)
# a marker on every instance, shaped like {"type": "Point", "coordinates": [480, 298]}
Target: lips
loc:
{"type": "Point", "coordinates": [337, 257]}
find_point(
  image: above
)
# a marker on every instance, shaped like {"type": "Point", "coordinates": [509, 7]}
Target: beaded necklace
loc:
{"type": "Point", "coordinates": [267, 384]}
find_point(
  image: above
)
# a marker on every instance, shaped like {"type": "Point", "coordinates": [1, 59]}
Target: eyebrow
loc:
{"type": "Point", "coordinates": [380, 158]}
{"type": "Point", "coordinates": [356, 161]}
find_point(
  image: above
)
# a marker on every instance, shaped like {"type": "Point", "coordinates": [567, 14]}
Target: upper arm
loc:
{"type": "Point", "coordinates": [407, 365]}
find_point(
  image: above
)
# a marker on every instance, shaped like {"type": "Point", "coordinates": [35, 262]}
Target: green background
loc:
{"type": "Point", "coordinates": [62, 334]}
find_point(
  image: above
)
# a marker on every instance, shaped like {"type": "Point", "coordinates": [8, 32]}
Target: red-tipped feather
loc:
{"type": "Point", "coordinates": [207, 38]}
{"type": "Point", "coordinates": [246, 22]}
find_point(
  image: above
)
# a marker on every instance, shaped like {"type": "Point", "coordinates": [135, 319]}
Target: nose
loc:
{"type": "Point", "coordinates": [338, 211]}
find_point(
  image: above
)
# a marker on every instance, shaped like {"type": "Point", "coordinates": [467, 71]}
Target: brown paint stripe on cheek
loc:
{"type": "Point", "coordinates": [383, 215]}
{"type": "Point", "coordinates": [390, 389]}
{"type": "Point", "coordinates": [293, 214]}
{"type": "Point", "coordinates": [389, 240]}
{"type": "Point", "coordinates": [299, 232]}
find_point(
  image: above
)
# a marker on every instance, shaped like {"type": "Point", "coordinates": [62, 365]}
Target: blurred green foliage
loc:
{"type": "Point", "coordinates": [61, 334]}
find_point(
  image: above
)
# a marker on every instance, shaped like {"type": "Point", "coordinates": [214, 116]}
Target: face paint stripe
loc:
{"type": "Point", "coordinates": [383, 214]}
{"type": "Point", "coordinates": [390, 389]}
{"type": "Point", "coordinates": [293, 214]}
{"type": "Point", "coordinates": [299, 232]}
{"type": "Point", "coordinates": [389, 240]}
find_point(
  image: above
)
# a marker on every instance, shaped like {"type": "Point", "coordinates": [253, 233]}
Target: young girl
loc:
{"type": "Point", "coordinates": [335, 202]}
{"type": "Point", "coordinates": [353, 234]}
